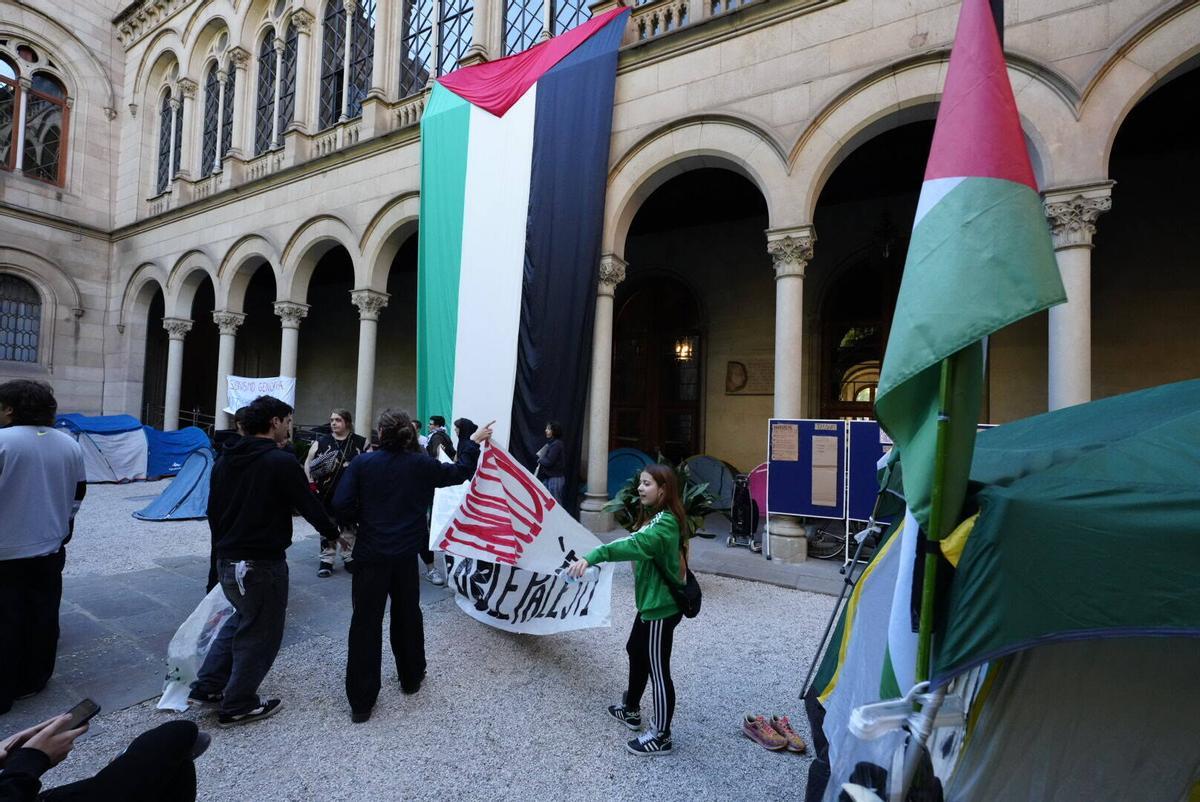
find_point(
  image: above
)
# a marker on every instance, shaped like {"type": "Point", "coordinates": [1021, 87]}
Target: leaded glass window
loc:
{"type": "Point", "coordinates": [362, 51]}
{"type": "Point", "coordinates": [454, 33]}
{"type": "Point", "coordinates": [416, 46]}
{"type": "Point", "coordinates": [20, 320]}
{"type": "Point", "coordinates": [287, 82]}
{"type": "Point", "coordinates": [208, 149]}
{"type": "Point", "coordinates": [332, 54]}
{"type": "Point", "coordinates": [163, 175]}
{"type": "Point", "coordinates": [45, 117]}
{"type": "Point", "coordinates": [264, 118]}
{"type": "Point", "coordinates": [522, 24]}
{"type": "Point", "coordinates": [8, 113]}
{"type": "Point", "coordinates": [569, 14]}
{"type": "Point", "coordinates": [227, 110]}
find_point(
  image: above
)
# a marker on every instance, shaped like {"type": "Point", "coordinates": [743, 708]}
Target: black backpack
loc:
{"type": "Point", "coordinates": [687, 595]}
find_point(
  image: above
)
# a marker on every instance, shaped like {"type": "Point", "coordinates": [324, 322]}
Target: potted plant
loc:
{"type": "Point", "coordinates": [697, 501]}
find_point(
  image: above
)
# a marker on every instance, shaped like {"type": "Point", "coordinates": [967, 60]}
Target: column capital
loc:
{"type": "Point", "coordinates": [177, 327]}
{"type": "Point", "coordinates": [228, 322]}
{"type": "Point", "coordinates": [369, 302]}
{"type": "Point", "coordinates": [175, 103]}
{"type": "Point", "coordinates": [349, 5]}
{"type": "Point", "coordinates": [291, 313]}
{"type": "Point", "coordinates": [1073, 211]}
{"type": "Point", "coordinates": [791, 249]}
{"type": "Point", "coordinates": [303, 21]}
{"type": "Point", "coordinates": [239, 57]}
{"type": "Point", "coordinates": [187, 87]}
{"type": "Point", "coordinates": [612, 273]}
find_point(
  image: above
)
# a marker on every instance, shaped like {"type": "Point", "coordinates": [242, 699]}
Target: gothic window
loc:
{"type": "Point", "coordinates": [33, 137]}
{"type": "Point", "coordinates": [454, 33]}
{"type": "Point", "coordinates": [287, 80]}
{"type": "Point", "coordinates": [524, 21]}
{"type": "Point", "coordinates": [362, 51]}
{"type": "Point", "coordinates": [333, 43]}
{"type": "Point", "coordinates": [208, 149]}
{"type": "Point", "coordinates": [163, 175]}
{"type": "Point", "coordinates": [416, 46]}
{"type": "Point", "coordinates": [20, 320]}
{"type": "Point", "coordinates": [227, 118]}
{"type": "Point", "coordinates": [8, 113]}
{"type": "Point", "coordinates": [264, 119]}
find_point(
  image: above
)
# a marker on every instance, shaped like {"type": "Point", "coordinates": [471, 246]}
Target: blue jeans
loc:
{"type": "Point", "coordinates": [246, 647]}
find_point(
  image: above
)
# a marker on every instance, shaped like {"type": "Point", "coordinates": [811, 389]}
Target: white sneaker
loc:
{"type": "Point", "coordinates": [435, 577]}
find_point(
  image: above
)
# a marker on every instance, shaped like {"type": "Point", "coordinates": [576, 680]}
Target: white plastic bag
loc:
{"type": "Point", "coordinates": [189, 647]}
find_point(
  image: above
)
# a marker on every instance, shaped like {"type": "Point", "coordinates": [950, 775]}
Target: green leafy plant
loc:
{"type": "Point", "coordinates": [697, 501]}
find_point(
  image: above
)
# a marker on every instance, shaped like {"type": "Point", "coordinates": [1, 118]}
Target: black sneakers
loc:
{"type": "Point", "coordinates": [325, 570]}
{"type": "Point", "coordinates": [630, 718]}
{"type": "Point", "coordinates": [205, 697]}
{"type": "Point", "coordinates": [649, 744]}
{"type": "Point", "coordinates": [264, 710]}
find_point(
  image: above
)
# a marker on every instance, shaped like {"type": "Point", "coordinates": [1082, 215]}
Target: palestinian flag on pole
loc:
{"type": "Point", "coordinates": [979, 259]}
{"type": "Point", "coordinates": [514, 160]}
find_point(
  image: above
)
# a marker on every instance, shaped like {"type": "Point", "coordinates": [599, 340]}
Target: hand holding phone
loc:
{"type": "Point", "coordinates": [81, 714]}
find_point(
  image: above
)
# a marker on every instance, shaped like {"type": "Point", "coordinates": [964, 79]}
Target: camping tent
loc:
{"type": "Point", "coordinates": [624, 463]}
{"type": "Point", "coordinates": [186, 497]}
{"type": "Point", "coordinates": [719, 476]}
{"type": "Point", "coordinates": [1070, 635]}
{"type": "Point", "coordinates": [118, 448]}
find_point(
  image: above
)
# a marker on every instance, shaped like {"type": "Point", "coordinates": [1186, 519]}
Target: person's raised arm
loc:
{"type": "Point", "coordinates": [447, 474]}
{"type": "Point", "coordinates": [645, 544]}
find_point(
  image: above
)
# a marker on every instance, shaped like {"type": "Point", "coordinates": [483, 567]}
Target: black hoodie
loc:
{"type": "Point", "coordinates": [255, 486]}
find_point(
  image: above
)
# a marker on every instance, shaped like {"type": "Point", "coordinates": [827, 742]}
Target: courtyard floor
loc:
{"type": "Point", "coordinates": [500, 716]}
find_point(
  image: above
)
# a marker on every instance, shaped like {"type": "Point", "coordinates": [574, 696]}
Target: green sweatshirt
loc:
{"type": "Point", "coordinates": [659, 538]}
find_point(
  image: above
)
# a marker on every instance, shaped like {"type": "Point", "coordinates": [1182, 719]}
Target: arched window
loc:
{"type": "Point", "coordinates": [264, 120]}
{"type": "Point", "coordinates": [208, 149]}
{"type": "Point", "coordinates": [20, 320]}
{"type": "Point", "coordinates": [287, 80]}
{"type": "Point", "coordinates": [362, 51]}
{"type": "Point", "coordinates": [416, 46]}
{"type": "Point", "coordinates": [333, 45]}
{"type": "Point", "coordinates": [33, 133]}
{"type": "Point", "coordinates": [454, 33]}
{"type": "Point", "coordinates": [163, 175]}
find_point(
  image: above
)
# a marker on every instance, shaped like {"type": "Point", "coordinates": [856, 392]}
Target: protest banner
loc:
{"type": "Point", "coordinates": [508, 543]}
{"type": "Point", "coordinates": [241, 390]}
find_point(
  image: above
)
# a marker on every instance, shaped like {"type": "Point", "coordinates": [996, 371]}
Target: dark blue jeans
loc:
{"type": "Point", "coordinates": [245, 649]}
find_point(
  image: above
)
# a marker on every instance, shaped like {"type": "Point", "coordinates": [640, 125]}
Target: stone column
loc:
{"type": "Point", "coordinates": [243, 124]}
{"type": "Point", "coordinates": [290, 314]}
{"type": "Point", "coordinates": [483, 40]}
{"type": "Point", "coordinates": [370, 303]}
{"type": "Point", "coordinates": [791, 249]}
{"type": "Point", "coordinates": [175, 105]}
{"type": "Point", "coordinates": [306, 99]}
{"type": "Point", "coordinates": [26, 84]}
{"type": "Point", "coordinates": [1072, 213]}
{"type": "Point", "coordinates": [349, 5]}
{"type": "Point", "coordinates": [222, 77]}
{"type": "Point", "coordinates": [227, 324]}
{"type": "Point", "coordinates": [187, 105]}
{"type": "Point", "coordinates": [177, 328]}
{"type": "Point", "coordinates": [280, 43]}
{"type": "Point", "coordinates": [612, 273]}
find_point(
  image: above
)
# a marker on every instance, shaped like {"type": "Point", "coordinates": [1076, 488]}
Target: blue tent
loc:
{"type": "Point", "coordinates": [187, 496]}
{"type": "Point", "coordinates": [624, 463]}
{"type": "Point", "coordinates": [118, 448]}
{"type": "Point", "coordinates": [169, 450]}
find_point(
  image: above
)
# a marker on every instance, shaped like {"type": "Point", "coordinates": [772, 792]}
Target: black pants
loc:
{"type": "Point", "coordinates": [245, 649]}
{"type": "Point", "coordinates": [157, 767]}
{"type": "Point", "coordinates": [649, 648]}
{"type": "Point", "coordinates": [374, 581]}
{"type": "Point", "coordinates": [30, 592]}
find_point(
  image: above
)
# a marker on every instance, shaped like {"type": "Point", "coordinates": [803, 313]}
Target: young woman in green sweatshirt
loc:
{"type": "Point", "coordinates": [657, 543]}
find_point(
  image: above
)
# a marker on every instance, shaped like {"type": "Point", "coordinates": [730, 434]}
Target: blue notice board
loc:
{"type": "Point", "coordinates": [867, 445]}
{"type": "Point", "coordinates": [806, 468]}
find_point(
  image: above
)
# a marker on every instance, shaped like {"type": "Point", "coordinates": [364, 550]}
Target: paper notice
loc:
{"type": "Point", "coordinates": [824, 471]}
{"type": "Point", "coordinates": [785, 442]}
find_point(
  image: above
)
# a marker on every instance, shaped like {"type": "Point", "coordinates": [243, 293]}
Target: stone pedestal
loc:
{"type": "Point", "coordinates": [789, 540]}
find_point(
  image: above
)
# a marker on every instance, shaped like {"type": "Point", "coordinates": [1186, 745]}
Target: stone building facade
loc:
{"type": "Point", "coordinates": [238, 181]}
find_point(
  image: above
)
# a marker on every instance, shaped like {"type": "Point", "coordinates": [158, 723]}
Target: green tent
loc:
{"type": "Point", "coordinates": [1070, 636]}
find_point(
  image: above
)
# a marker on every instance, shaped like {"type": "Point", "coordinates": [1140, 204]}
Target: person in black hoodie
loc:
{"type": "Point", "coordinates": [386, 493]}
{"type": "Point", "coordinates": [255, 486]}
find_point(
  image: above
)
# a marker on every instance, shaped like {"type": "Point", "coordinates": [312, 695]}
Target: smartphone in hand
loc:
{"type": "Point", "coordinates": [81, 714]}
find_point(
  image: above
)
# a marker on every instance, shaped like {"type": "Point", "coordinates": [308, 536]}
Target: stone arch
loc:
{"type": "Point", "coordinates": [387, 231]}
{"type": "Point", "coordinates": [197, 41]}
{"type": "Point", "coordinates": [239, 265]}
{"type": "Point", "coordinates": [711, 141]}
{"type": "Point", "coordinates": [76, 61]}
{"type": "Point", "coordinates": [138, 290]}
{"type": "Point", "coordinates": [906, 91]}
{"type": "Point", "coordinates": [57, 290]}
{"type": "Point", "coordinates": [1137, 64]}
{"type": "Point", "coordinates": [166, 46]}
{"type": "Point", "coordinates": [186, 276]}
{"type": "Point", "coordinates": [312, 240]}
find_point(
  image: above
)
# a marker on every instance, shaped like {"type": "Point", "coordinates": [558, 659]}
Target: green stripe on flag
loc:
{"type": "Point", "coordinates": [445, 129]}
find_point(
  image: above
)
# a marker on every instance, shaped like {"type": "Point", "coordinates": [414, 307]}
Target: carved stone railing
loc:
{"type": "Point", "coordinates": [654, 18]}
{"type": "Point", "coordinates": [264, 165]}
{"type": "Point", "coordinates": [409, 110]}
{"type": "Point", "coordinates": [326, 143]}
{"type": "Point", "coordinates": [205, 186]}
{"type": "Point", "coordinates": [158, 204]}
{"type": "Point", "coordinates": [350, 132]}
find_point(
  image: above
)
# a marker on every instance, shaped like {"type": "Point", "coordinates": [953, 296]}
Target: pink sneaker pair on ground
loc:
{"type": "Point", "coordinates": [775, 733]}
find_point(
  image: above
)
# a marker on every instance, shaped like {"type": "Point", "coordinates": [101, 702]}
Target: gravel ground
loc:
{"type": "Point", "coordinates": [501, 716]}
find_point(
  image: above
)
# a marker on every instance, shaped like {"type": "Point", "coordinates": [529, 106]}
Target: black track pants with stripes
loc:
{"type": "Point", "coordinates": [649, 648]}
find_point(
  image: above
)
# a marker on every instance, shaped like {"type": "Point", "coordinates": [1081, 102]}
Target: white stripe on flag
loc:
{"type": "Point", "coordinates": [931, 193]}
{"type": "Point", "coordinates": [496, 206]}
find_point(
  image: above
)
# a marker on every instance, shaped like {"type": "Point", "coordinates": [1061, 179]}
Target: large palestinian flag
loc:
{"type": "Point", "coordinates": [979, 259]}
{"type": "Point", "coordinates": [514, 159]}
